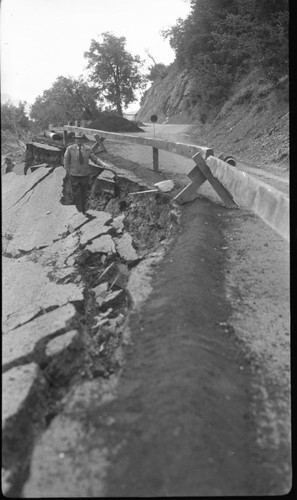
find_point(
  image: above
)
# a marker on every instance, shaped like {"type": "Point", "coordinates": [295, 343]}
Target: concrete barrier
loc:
{"type": "Point", "coordinates": [271, 205]}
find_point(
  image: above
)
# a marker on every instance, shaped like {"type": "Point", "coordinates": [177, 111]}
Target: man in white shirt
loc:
{"type": "Point", "coordinates": [76, 163]}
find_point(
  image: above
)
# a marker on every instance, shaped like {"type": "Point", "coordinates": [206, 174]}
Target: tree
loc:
{"type": "Point", "coordinates": [234, 34]}
{"type": "Point", "coordinates": [191, 38]}
{"type": "Point", "coordinates": [14, 118]}
{"type": "Point", "coordinates": [176, 36]}
{"type": "Point", "coordinates": [157, 71]}
{"type": "Point", "coordinates": [114, 71]}
{"type": "Point", "coordinates": [66, 100]}
{"type": "Point", "coordinates": [222, 40]}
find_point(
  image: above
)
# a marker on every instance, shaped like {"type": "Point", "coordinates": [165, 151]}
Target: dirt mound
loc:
{"type": "Point", "coordinates": [114, 123]}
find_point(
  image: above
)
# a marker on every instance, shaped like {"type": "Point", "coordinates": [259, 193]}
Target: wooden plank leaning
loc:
{"type": "Point", "coordinates": [190, 191]}
{"type": "Point", "coordinates": [198, 176]}
{"type": "Point", "coordinates": [223, 192]}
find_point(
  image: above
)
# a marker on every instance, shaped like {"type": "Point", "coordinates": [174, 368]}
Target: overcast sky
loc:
{"type": "Point", "coordinates": [43, 39]}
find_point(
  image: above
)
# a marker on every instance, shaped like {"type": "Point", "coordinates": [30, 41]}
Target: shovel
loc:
{"type": "Point", "coordinates": [163, 186]}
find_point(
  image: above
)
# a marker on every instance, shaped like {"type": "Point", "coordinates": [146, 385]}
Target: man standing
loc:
{"type": "Point", "coordinates": [76, 163]}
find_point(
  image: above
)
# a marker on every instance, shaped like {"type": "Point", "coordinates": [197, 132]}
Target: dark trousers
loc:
{"type": "Point", "coordinates": [79, 187]}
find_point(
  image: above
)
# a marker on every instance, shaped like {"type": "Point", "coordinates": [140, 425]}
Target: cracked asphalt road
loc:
{"type": "Point", "coordinates": [202, 406]}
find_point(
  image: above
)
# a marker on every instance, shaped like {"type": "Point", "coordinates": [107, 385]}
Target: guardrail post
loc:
{"type": "Point", "coordinates": [65, 137]}
{"type": "Point", "coordinates": [156, 159]}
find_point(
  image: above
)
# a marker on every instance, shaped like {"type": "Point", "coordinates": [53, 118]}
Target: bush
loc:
{"type": "Point", "coordinates": [222, 40]}
{"type": "Point", "coordinates": [273, 50]}
{"type": "Point", "coordinates": [157, 71]}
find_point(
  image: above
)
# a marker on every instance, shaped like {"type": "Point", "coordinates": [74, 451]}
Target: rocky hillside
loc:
{"type": "Point", "coordinates": [168, 98]}
{"type": "Point", "coordinates": [252, 125]}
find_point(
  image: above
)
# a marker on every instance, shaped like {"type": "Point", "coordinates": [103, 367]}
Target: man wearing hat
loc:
{"type": "Point", "coordinates": [76, 163]}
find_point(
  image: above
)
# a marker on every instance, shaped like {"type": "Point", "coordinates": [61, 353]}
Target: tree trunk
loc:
{"type": "Point", "coordinates": [85, 106]}
{"type": "Point", "coordinates": [119, 108]}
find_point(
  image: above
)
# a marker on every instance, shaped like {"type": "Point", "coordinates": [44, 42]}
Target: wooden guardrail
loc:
{"type": "Point", "coordinates": [234, 186]}
{"type": "Point", "coordinates": [187, 150]}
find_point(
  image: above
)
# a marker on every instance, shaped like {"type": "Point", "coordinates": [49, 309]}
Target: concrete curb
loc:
{"type": "Point", "coordinates": [271, 205]}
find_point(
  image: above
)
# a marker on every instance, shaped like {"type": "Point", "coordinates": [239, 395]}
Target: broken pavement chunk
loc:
{"type": "Point", "coordinates": [103, 244]}
{"type": "Point", "coordinates": [118, 223]}
{"type": "Point", "coordinates": [111, 299]}
{"type": "Point", "coordinates": [125, 248]}
{"type": "Point", "coordinates": [60, 343]}
{"type": "Point", "coordinates": [123, 275]}
{"type": "Point", "coordinates": [60, 252]}
{"type": "Point", "coordinates": [21, 341]}
{"type": "Point", "coordinates": [95, 227]}
{"type": "Point", "coordinates": [105, 182]}
{"type": "Point", "coordinates": [75, 220]}
{"type": "Point", "coordinates": [30, 226]}
{"type": "Point", "coordinates": [28, 291]}
{"type": "Point", "coordinates": [99, 289]}
{"type": "Point", "coordinates": [41, 165]}
{"type": "Point", "coordinates": [93, 213]}
{"type": "Point", "coordinates": [15, 187]}
{"type": "Point", "coordinates": [16, 384]}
